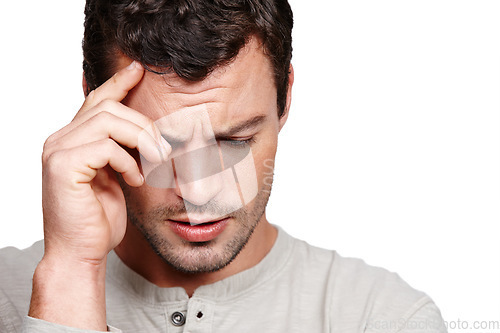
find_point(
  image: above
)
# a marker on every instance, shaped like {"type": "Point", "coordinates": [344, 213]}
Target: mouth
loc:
{"type": "Point", "coordinates": [197, 220]}
{"type": "Point", "coordinates": [198, 230]}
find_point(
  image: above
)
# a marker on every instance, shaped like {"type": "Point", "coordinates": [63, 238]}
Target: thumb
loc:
{"type": "Point", "coordinates": [116, 87]}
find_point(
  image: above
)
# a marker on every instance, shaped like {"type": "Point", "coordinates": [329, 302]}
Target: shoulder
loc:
{"type": "Point", "coordinates": [20, 262]}
{"type": "Point", "coordinates": [361, 295]}
{"type": "Point", "coordinates": [17, 270]}
{"type": "Point", "coordinates": [17, 267]}
{"type": "Point", "coordinates": [346, 275]}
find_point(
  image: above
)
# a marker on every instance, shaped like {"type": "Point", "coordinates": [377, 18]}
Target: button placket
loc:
{"type": "Point", "coordinates": [199, 316]}
{"type": "Point", "coordinates": [176, 317]}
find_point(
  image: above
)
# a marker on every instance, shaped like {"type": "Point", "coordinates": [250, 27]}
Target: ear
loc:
{"type": "Point", "coordinates": [284, 117]}
{"type": "Point", "coordinates": [84, 85]}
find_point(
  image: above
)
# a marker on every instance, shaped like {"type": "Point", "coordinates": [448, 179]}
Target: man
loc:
{"type": "Point", "coordinates": [154, 195]}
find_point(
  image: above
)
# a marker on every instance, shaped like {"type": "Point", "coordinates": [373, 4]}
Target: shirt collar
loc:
{"type": "Point", "coordinates": [120, 274]}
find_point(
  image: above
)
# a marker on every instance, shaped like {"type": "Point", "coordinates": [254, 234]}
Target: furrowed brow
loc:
{"type": "Point", "coordinates": [243, 126]}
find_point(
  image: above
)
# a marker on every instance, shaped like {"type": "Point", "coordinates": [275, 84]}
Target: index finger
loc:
{"type": "Point", "coordinates": [116, 87]}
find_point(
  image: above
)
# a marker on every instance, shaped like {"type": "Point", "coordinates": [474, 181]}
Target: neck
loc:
{"type": "Point", "coordinates": [138, 255]}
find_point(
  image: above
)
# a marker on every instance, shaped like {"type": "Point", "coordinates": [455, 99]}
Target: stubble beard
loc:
{"type": "Point", "coordinates": [201, 257]}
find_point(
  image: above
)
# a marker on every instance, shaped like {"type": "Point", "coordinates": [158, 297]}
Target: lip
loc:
{"type": "Point", "coordinates": [195, 231]}
{"type": "Point", "coordinates": [195, 220]}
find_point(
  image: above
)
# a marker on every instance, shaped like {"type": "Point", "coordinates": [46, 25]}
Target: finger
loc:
{"type": "Point", "coordinates": [113, 107]}
{"type": "Point", "coordinates": [116, 108]}
{"type": "Point", "coordinates": [106, 125]}
{"type": "Point", "coordinates": [104, 116]}
{"type": "Point", "coordinates": [116, 88]}
{"type": "Point", "coordinates": [83, 162]}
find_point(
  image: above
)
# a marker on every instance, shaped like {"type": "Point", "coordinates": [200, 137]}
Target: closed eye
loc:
{"type": "Point", "coordinates": [237, 143]}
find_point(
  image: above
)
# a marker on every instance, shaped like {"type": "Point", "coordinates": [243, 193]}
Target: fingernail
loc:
{"type": "Point", "coordinates": [166, 145]}
{"type": "Point", "coordinates": [161, 144]}
{"type": "Point", "coordinates": [131, 66]}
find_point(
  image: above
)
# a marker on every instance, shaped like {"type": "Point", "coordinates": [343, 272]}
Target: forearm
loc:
{"type": "Point", "coordinates": [70, 294]}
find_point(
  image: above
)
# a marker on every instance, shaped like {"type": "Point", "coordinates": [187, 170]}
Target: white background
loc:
{"type": "Point", "coordinates": [391, 152]}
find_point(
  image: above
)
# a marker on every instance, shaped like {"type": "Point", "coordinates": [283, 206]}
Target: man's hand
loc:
{"type": "Point", "coordinates": [83, 205]}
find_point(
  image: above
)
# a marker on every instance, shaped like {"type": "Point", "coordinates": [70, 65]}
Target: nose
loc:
{"type": "Point", "coordinates": [200, 192]}
{"type": "Point", "coordinates": [198, 165]}
{"type": "Point", "coordinates": [198, 174]}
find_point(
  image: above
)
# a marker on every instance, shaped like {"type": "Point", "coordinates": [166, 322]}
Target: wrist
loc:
{"type": "Point", "coordinates": [70, 293]}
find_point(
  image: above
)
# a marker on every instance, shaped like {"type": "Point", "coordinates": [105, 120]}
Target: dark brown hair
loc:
{"type": "Point", "coordinates": [188, 37]}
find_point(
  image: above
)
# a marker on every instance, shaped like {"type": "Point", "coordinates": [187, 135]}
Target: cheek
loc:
{"type": "Point", "coordinates": [253, 174]}
{"type": "Point", "coordinates": [138, 198]}
{"type": "Point", "coordinates": [264, 156]}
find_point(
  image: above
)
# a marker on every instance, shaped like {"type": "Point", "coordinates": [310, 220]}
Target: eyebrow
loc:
{"type": "Point", "coordinates": [243, 126]}
{"type": "Point", "coordinates": [248, 124]}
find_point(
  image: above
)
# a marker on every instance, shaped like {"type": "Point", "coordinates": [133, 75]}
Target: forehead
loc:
{"type": "Point", "coordinates": [233, 93]}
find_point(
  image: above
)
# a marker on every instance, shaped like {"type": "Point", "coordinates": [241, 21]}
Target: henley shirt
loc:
{"type": "Point", "coordinates": [296, 288]}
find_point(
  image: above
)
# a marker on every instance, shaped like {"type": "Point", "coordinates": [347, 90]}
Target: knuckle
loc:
{"type": "Point", "coordinates": [48, 142]}
{"type": "Point", "coordinates": [108, 146]}
{"type": "Point", "coordinates": [45, 156]}
{"type": "Point", "coordinates": [121, 158]}
{"type": "Point", "coordinates": [106, 104]}
{"type": "Point", "coordinates": [103, 119]}
{"type": "Point", "coordinates": [103, 116]}
{"type": "Point", "coordinates": [52, 162]}
{"type": "Point", "coordinates": [48, 147]}
{"type": "Point", "coordinates": [130, 164]}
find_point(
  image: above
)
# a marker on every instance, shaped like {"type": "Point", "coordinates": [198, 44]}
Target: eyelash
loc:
{"type": "Point", "coordinates": [239, 143]}
{"type": "Point", "coordinates": [232, 142]}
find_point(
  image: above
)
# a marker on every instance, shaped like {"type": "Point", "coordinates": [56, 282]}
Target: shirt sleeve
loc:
{"type": "Point", "coordinates": [33, 325]}
{"type": "Point", "coordinates": [10, 320]}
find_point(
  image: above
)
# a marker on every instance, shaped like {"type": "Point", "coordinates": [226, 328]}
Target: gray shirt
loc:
{"type": "Point", "coordinates": [295, 288]}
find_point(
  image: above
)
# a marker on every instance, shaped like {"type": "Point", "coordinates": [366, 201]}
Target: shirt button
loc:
{"type": "Point", "coordinates": [178, 318]}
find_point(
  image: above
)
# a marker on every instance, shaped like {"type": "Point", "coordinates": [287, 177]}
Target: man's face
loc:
{"type": "Point", "coordinates": [198, 221]}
